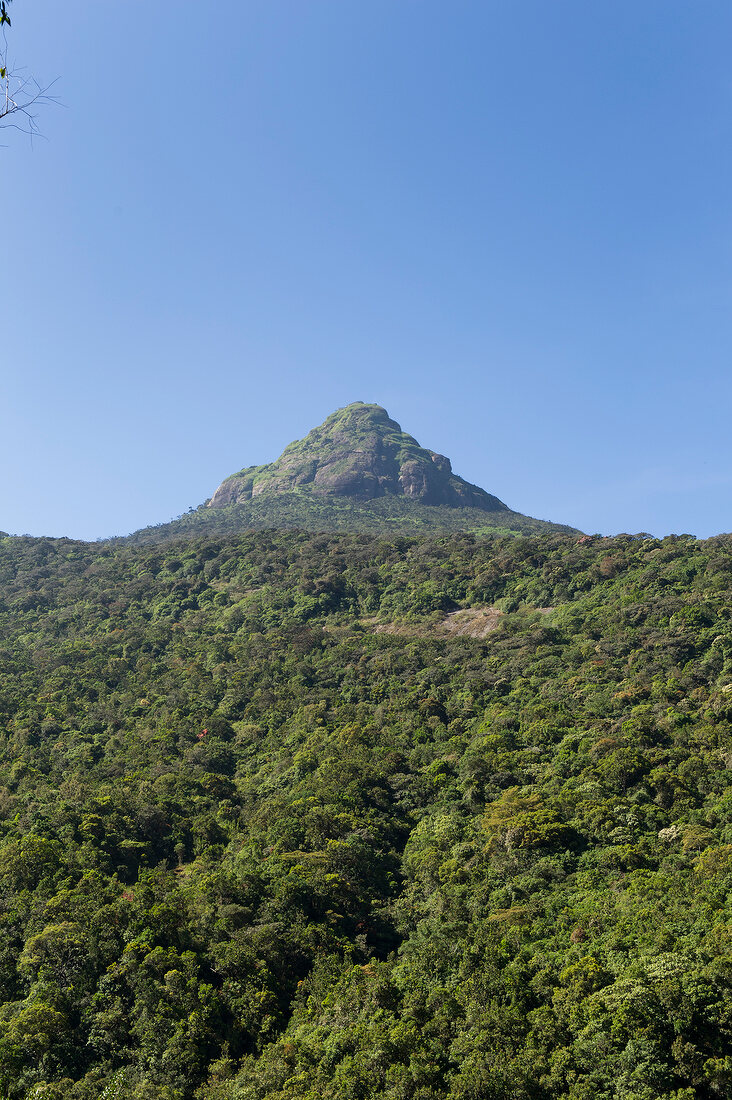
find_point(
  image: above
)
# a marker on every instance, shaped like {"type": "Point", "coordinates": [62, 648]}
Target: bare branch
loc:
{"type": "Point", "coordinates": [19, 103]}
{"type": "Point", "coordinates": [20, 95]}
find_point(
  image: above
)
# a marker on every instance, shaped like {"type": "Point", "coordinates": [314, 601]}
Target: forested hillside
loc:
{"type": "Point", "coordinates": [299, 511]}
{"type": "Point", "coordinates": [275, 822]}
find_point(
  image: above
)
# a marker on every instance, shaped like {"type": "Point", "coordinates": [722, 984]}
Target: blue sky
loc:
{"type": "Point", "coordinates": [509, 223]}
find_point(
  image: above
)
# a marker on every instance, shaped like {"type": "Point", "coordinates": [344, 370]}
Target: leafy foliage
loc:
{"type": "Point", "coordinates": [301, 511]}
{"type": "Point", "coordinates": [267, 830]}
{"type": "Point", "coordinates": [4, 21]}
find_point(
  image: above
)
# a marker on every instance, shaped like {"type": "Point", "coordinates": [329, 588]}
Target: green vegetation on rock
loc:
{"type": "Point", "coordinates": [360, 453]}
{"type": "Point", "coordinates": [358, 471]}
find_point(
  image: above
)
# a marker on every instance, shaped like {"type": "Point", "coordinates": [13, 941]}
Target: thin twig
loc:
{"type": "Point", "coordinates": [19, 103]}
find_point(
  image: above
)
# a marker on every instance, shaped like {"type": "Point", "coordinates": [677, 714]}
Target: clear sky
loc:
{"type": "Point", "coordinates": [510, 223]}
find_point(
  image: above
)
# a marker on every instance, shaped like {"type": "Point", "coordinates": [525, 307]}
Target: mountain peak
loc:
{"type": "Point", "coordinates": [360, 453]}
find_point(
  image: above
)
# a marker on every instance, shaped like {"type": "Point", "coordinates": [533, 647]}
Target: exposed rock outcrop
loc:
{"type": "Point", "coordinates": [359, 453]}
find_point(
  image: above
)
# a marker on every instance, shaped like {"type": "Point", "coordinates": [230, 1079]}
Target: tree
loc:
{"type": "Point", "coordinates": [19, 92]}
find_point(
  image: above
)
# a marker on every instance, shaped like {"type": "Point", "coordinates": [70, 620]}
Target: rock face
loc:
{"type": "Point", "coordinates": [359, 453]}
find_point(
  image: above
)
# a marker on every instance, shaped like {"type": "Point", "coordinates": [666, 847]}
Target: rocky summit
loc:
{"type": "Point", "coordinates": [357, 471]}
{"type": "Point", "coordinates": [359, 453]}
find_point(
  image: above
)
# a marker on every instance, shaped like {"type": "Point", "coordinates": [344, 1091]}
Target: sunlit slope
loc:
{"type": "Point", "coordinates": [357, 471]}
{"type": "Point", "coordinates": [309, 815]}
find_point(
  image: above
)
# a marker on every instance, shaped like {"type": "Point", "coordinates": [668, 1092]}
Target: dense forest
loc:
{"type": "Point", "coordinates": [301, 511]}
{"type": "Point", "coordinates": [296, 816]}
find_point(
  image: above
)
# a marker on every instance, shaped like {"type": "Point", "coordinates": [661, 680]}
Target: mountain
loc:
{"type": "Point", "coordinates": [365, 815]}
{"type": "Point", "coordinates": [359, 453]}
{"type": "Point", "coordinates": [357, 471]}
